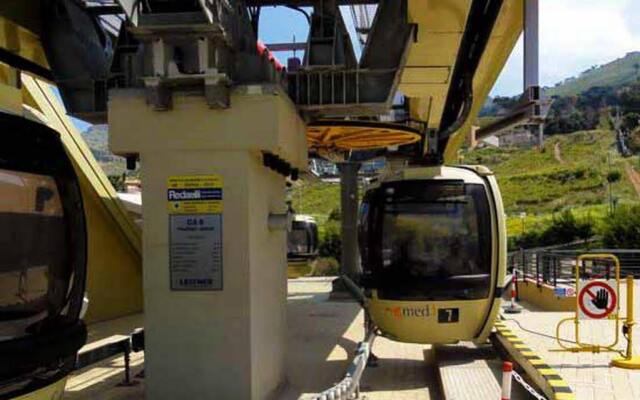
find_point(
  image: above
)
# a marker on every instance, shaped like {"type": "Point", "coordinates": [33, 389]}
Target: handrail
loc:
{"type": "Point", "coordinates": [555, 267]}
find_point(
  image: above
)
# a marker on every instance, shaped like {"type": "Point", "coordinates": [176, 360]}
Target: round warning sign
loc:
{"type": "Point", "coordinates": [597, 299]}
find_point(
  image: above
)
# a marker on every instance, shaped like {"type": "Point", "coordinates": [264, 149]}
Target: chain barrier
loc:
{"type": "Point", "coordinates": [349, 387]}
{"type": "Point", "coordinates": [527, 387]}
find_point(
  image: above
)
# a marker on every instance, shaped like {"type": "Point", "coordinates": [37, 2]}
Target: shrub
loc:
{"type": "Point", "coordinates": [622, 229]}
{"type": "Point", "coordinates": [335, 215]}
{"type": "Point", "coordinates": [614, 176]}
{"type": "Point", "coordinates": [331, 240]}
{"type": "Point", "coordinates": [634, 141]}
{"type": "Point", "coordinates": [326, 266]}
{"type": "Point", "coordinates": [117, 181]}
{"type": "Point", "coordinates": [630, 121]}
{"type": "Point", "coordinates": [564, 228]}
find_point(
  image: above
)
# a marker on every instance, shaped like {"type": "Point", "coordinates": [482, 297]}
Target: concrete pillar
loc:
{"type": "Point", "coordinates": [531, 44]}
{"type": "Point", "coordinates": [349, 228]}
{"type": "Point", "coordinates": [215, 297]}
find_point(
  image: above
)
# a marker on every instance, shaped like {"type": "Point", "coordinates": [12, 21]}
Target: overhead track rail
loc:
{"type": "Point", "coordinates": [480, 22]}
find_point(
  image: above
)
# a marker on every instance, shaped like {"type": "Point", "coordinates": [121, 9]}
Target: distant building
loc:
{"type": "Point", "coordinates": [519, 136]}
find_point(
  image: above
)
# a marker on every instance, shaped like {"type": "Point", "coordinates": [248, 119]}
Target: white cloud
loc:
{"type": "Point", "coordinates": [575, 35]}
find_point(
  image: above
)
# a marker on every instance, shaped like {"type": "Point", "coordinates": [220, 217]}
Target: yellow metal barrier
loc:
{"type": "Point", "coordinates": [587, 347]}
{"type": "Point", "coordinates": [627, 359]}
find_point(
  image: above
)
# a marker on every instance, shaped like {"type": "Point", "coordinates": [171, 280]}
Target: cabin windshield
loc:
{"type": "Point", "coordinates": [436, 240]}
{"type": "Point", "coordinates": [34, 269]}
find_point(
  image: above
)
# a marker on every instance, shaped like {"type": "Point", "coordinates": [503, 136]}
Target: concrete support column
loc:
{"type": "Point", "coordinates": [532, 56]}
{"type": "Point", "coordinates": [225, 339]}
{"type": "Point", "coordinates": [349, 228]}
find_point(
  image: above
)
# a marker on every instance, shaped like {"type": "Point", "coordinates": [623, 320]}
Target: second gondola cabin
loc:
{"type": "Point", "coordinates": [433, 248]}
{"type": "Point", "coordinates": [302, 246]}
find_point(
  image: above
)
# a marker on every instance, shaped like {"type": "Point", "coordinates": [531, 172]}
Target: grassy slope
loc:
{"type": "Point", "coordinates": [530, 181]}
{"type": "Point", "coordinates": [616, 73]}
{"type": "Point", "coordinates": [537, 183]}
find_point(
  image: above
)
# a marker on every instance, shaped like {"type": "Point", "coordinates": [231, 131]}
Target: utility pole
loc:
{"type": "Point", "coordinates": [609, 182]}
{"type": "Point", "coordinates": [349, 228]}
{"type": "Point", "coordinates": [532, 60]}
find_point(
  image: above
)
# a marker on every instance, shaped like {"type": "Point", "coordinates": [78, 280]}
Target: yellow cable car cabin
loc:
{"type": "Point", "coordinates": [433, 248]}
{"type": "Point", "coordinates": [302, 246]}
{"type": "Point", "coordinates": [43, 263]}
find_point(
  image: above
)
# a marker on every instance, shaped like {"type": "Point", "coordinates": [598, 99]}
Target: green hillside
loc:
{"type": "Point", "coordinates": [97, 138]}
{"type": "Point", "coordinates": [623, 71]}
{"type": "Point", "coordinates": [531, 181]}
{"type": "Point", "coordinates": [537, 182]}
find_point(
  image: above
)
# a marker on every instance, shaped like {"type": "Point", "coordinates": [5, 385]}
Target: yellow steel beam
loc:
{"type": "Point", "coordinates": [10, 94]}
{"type": "Point", "coordinates": [431, 61]}
{"type": "Point", "coordinates": [19, 41]}
{"type": "Point", "coordinates": [426, 77]}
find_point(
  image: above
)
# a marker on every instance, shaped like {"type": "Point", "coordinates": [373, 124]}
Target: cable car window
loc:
{"type": "Point", "coordinates": [299, 239]}
{"type": "Point", "coordinates": [435, 240]}
{"type": "Point", "coordinates": [34, 268]}
{"type": "Point", "coordinates": [302, 240]}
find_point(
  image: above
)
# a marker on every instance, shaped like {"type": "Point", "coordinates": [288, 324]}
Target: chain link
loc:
{"type": "Point", "coordinates": [527, 387]}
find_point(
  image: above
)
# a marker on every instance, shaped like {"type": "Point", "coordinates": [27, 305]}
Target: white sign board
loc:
{"type": "Point", "coordinates": [195, 252]}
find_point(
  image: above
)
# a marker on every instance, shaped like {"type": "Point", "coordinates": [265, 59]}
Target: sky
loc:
{"type": "Point", "coordinates": [575, 35]}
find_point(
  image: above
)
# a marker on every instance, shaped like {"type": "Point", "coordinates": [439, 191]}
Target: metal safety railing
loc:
{"type": "Point", "coordinates": [126, 345]}
{"type": "Point", "coordinates": [556, 267]}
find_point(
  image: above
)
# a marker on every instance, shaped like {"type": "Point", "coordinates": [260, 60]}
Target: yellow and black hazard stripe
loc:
{"type": "Point", "coordinates": [547, 378]}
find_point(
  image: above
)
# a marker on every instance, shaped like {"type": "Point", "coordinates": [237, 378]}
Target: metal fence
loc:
{"type": "Point", "coordinates": [556, 267]}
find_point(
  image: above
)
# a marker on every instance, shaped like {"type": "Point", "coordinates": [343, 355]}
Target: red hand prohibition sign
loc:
{"type": "Point", "coordinates": [591, 292]}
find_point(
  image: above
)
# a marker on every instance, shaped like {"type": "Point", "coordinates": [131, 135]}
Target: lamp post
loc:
{"type": "Point", "coordinates": [523, 216]}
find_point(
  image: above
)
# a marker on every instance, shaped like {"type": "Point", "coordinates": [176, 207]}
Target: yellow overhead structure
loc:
{"type": "Point", "coordinates": [432, 58]}
{"type": "Point", "coordinates": [18, 40]}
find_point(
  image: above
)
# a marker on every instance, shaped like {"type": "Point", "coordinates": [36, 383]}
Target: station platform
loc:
{"type": "Point", "coordinates": [323, 335]}
{"type": "Point", "coordinates": [590, 376]}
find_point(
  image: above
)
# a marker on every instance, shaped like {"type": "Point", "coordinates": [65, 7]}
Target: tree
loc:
{"type": "Point", "coordinates": [614, 176]}
{"type": "Point", "coordinates": [634, 140]}
{"type": "Point", "coordinates": [630, 121]}
{"type": "Point", "coordinates": [622, 228]}
{"type": "Point", "coordinates": [630, 97]}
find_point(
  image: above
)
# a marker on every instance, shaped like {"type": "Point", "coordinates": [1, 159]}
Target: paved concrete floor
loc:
{"type": "Point", "coordinates": [322, 337]}
{"type": "Point", "coordinates": [323, 341]}
{"type": "Point", "coordinates": [590, 375]}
